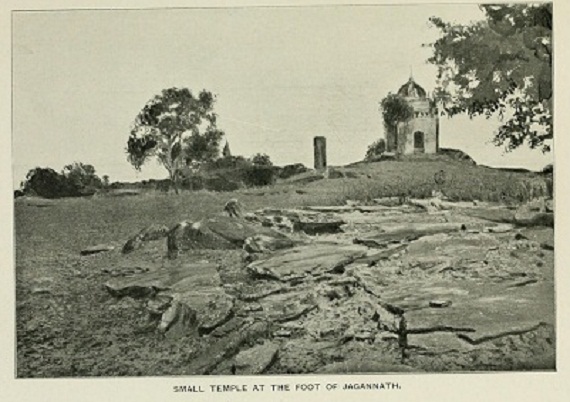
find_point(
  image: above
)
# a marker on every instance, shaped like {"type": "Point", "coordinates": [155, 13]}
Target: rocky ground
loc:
{"type": "Point", "coordinates": [392, 286]}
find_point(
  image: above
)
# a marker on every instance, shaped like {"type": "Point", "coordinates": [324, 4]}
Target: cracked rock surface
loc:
{"type": "Point", "coordinates": [387, 288]}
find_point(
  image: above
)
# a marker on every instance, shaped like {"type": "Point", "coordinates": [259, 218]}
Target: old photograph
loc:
{"type": "Point", "coordinates": [283, 190]}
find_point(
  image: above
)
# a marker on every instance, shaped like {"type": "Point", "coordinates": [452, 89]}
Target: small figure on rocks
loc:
{"type": "Point", "coordinates": [233, 208]}
{"type": "Point", "coordinates": [440, 177]}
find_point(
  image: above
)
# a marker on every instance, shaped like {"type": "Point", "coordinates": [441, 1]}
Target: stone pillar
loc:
{"type": "Point", "coordinates": [320, 148]}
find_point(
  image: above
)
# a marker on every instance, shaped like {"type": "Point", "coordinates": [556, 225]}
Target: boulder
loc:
{"type": "Point", "coordinates": [149, 233]}
{"type": "Point", "coordinates": [220, 232]}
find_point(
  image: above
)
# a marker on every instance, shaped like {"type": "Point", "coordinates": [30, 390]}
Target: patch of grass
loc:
{"type": "Point", "coordinates": [417, 179]}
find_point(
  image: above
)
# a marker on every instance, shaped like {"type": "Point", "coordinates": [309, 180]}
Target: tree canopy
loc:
{"type": "Point", "coordinates": [261, 160]}
{"type": "Point", "coordinates": [501, 65]}
{"type": "Point", "coordinates": [395, 109]}
{"type": "Point", "coordinates": [177, 128]}
{"type": "Point", "coordinates": [76, 179]}
{"type": "Point", "coordinates": [81, 176]}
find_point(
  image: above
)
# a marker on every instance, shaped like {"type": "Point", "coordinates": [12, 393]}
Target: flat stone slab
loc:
{"type": "Point", "coordinates": [256, 360]}
{"type": "Point", "coordinates": [473, 246]}
{"type": "Point", "coordinates": [258, 290]}
{"type": "Point", "coordinates": [99, 248]}
{"type": "Point", "coordinates": [195, 275]}
{"type": "Point", "coordinates": [331, 209]}
{"type": "Point", "coordinates": [405, 233]}
{"type": "Point", "coordinates": [298, 262]}
{"type": "Point", "coordinates": [288, 306]}
{"type": "Point", "coordinates": [225, 347]}
{"type": "Point", "coordinates": [438, 342]}
{"type": "Point", "coordinates": [187, 296]}
{"type": "Point", "coordinates": [212, 306]}
{"type": "Point", "coordinates": [488, 310]}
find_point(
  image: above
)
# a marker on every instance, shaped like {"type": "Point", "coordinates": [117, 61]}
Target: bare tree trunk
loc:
{"type": "Point", "coordinates": [172, 174]}
{"type": "Point", "coordinates": [175, 182]}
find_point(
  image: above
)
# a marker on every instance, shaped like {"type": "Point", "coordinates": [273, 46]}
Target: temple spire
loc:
{"type": "Point", "coordinates": [226, 153]}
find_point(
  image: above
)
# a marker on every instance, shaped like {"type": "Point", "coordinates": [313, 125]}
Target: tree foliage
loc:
{"type": "Point", "coordinates": [261, 160]}
{"type": "Point", "coordinates": [45, 182]}
{"type": "Point", "coordinates": [375, 149]}
{"type": "Point", "coordinates": [177, 128]}
{"type": "Point", "coordinates": [395, 109]}
{"type": "Point", "coordinates": [82, 176]}
{"type": "Point", "coordinates": [75, 180]}
{"type": "Point", "coordinates": [501, 65]}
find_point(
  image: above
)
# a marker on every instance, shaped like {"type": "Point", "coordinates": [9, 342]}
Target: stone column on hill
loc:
{"type": "Point", "coordinates": [320, 148]}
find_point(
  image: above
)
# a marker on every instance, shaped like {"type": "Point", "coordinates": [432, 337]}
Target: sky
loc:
{"type": "Point", "coordinates": [281, 76]}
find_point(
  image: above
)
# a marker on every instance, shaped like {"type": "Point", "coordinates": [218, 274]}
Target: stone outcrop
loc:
{"type": "Point", "coordinates": [216, 233]}
{"type": "Point", "coordinates": [300, 262]}
{"type": "Point", "coordinates": [419, 292]}
{"type": "Point", "coordinates": [149, 233]}
{"type": "Point", "coordinates": [183, 299]}
{"type": "Point", "coordinates": [256, 360]}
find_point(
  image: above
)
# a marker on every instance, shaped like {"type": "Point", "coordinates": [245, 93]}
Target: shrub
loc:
{"type": "Point", "coordinates": [548, 169]}
{"type": "Point", "coordinates": [258, 175]}
{"type": "Point", "coordinates": [375, 150]}
{"type": "Point", "coordinates": [47, 183]}
{"type": "Point", "coordinates": [75, 180]}
{"type": "Point", "coordinates": [457, 154]}
{"type": "Point", "coordinates": [228, 162]}
{"type": "Point", "coordinates": [291, 170]}
{"type": "Point", "coordinates": [261, 160]}
{"type": "Point", "coordinates": [221, 182]}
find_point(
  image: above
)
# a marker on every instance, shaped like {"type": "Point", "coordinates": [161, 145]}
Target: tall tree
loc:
{"type": "Point", "coordinates": [177, 128]}
{"type": "Point", "coordinates": [395, 109]}
{"type": "Point", "coordinates": [81, 176]}
{"type": "Point", "coordinates": [501, 65]}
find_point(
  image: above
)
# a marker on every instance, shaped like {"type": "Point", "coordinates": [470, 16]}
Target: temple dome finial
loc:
{"type": "Point", "coordinates": [411, 89]}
